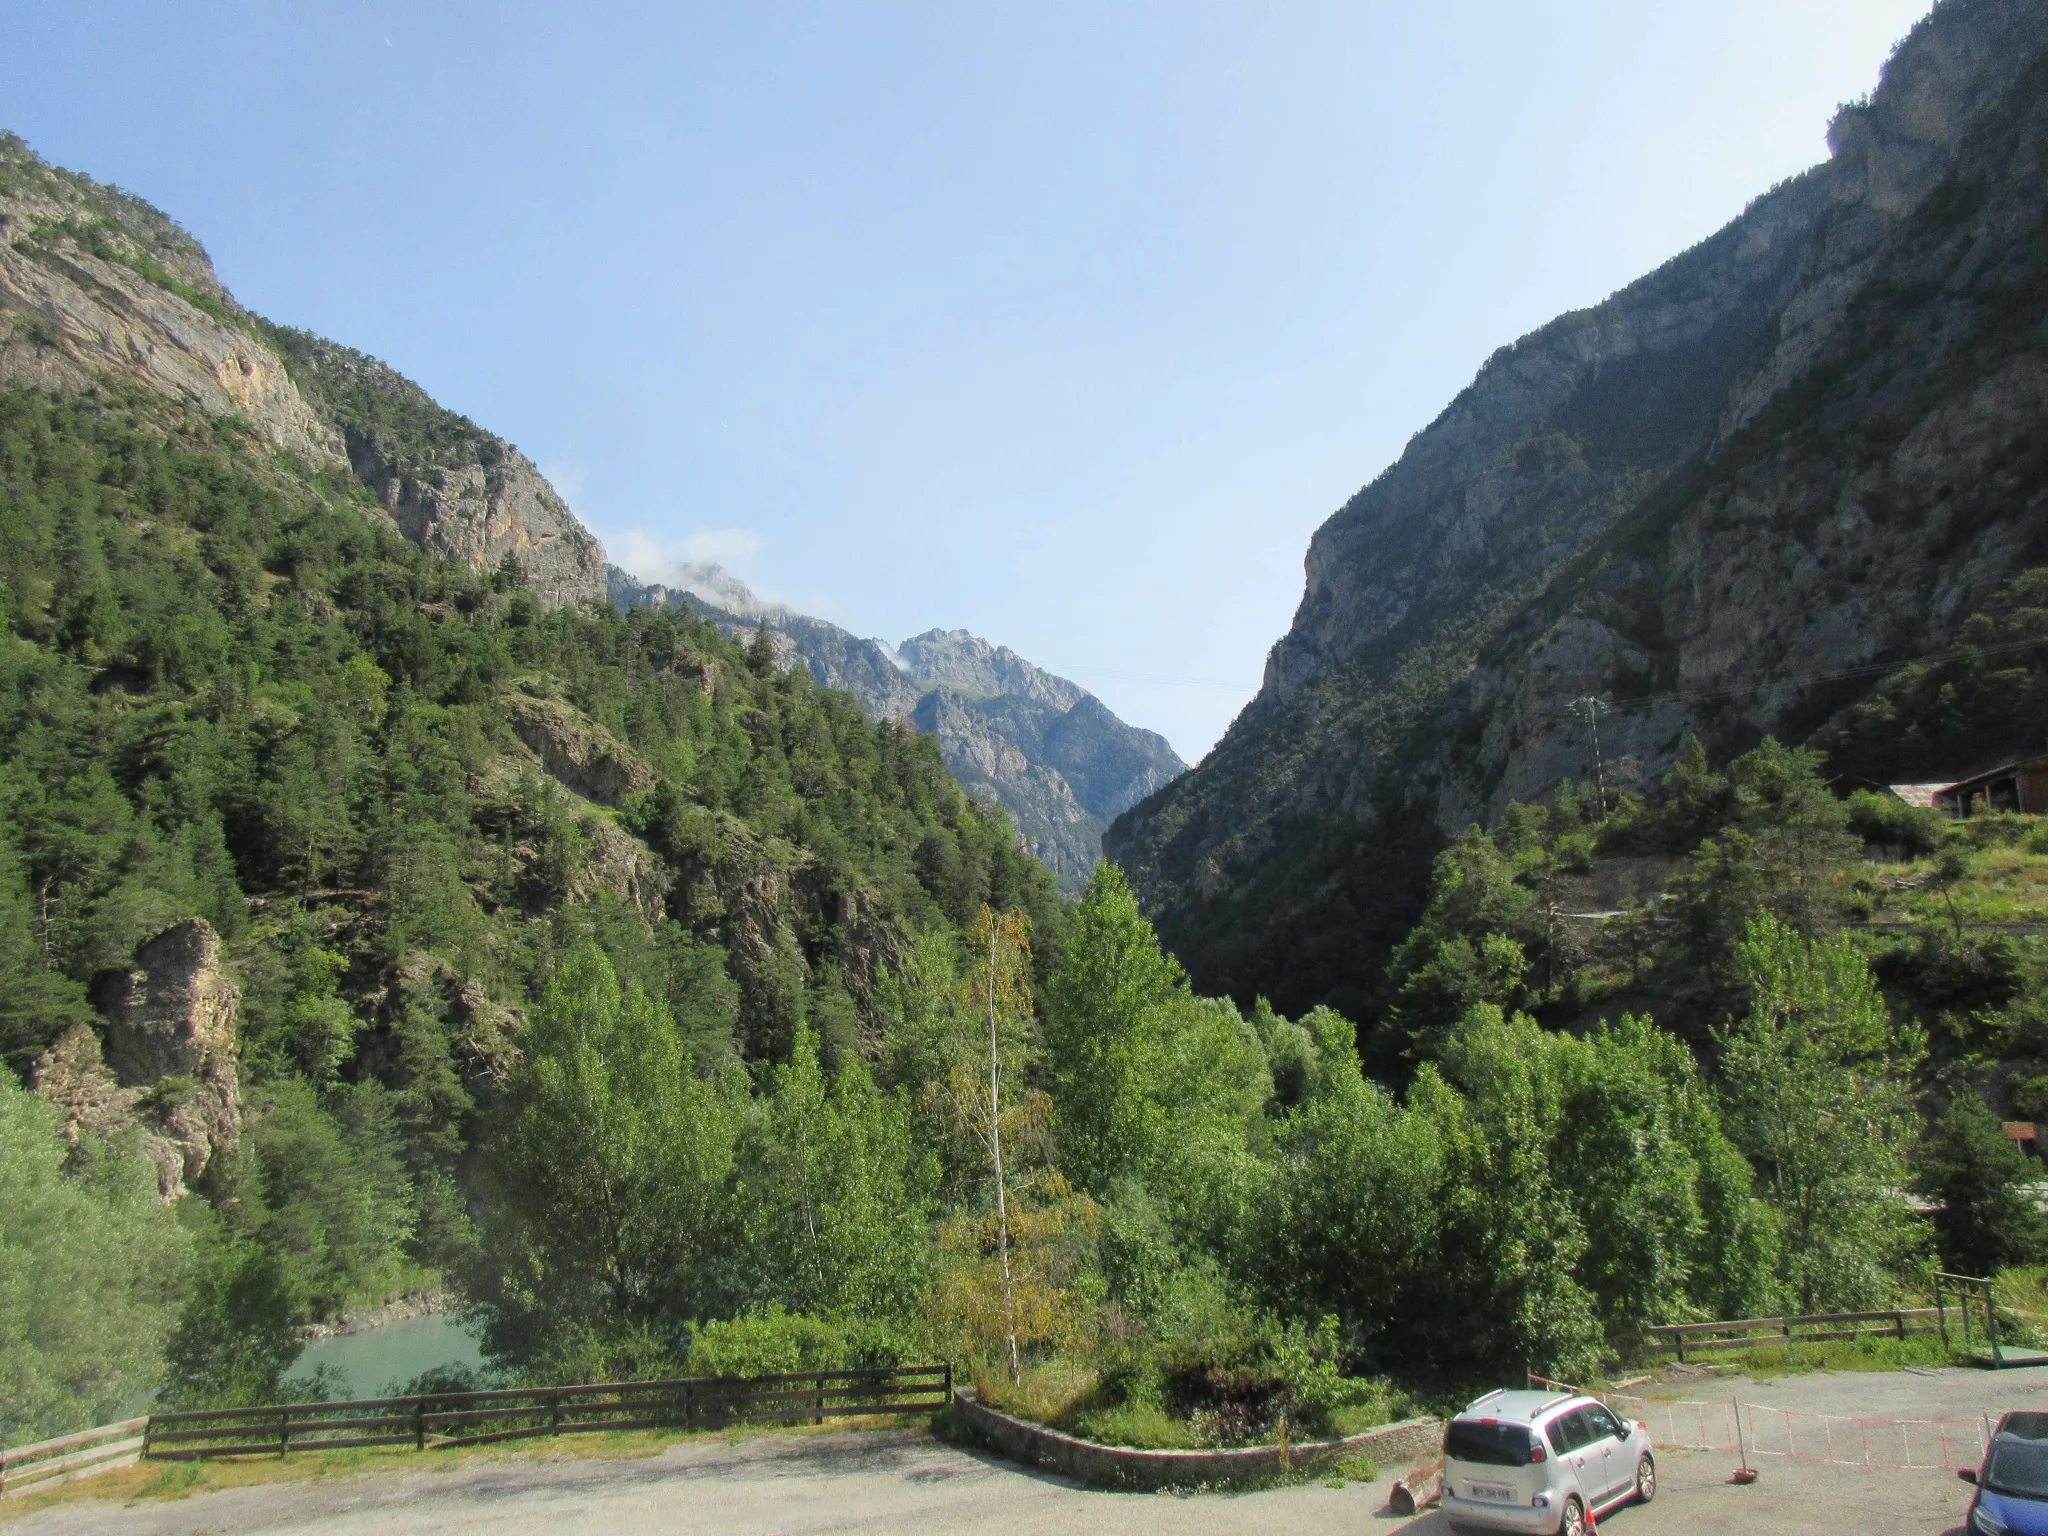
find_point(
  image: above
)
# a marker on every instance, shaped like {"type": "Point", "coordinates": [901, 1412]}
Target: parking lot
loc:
{"type": "Point", "coordinates": [903, 1481]}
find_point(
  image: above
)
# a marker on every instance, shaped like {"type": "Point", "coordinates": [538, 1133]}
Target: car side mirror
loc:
{"type": "Point", "coordinates": [1967, 1474]}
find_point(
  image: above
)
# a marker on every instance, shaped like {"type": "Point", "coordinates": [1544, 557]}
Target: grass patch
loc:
{"type": "Point", "coordinates": [2023, 1291]}
{"type": "Point", "coordinates": [1140, 1426]}
{"type": "Point", "coordinates": [1878, 1354]}
{"type": "Point", "coordinates": [1357, 1418]}
{"type": "Point", "coordinates": [1050, 1392]}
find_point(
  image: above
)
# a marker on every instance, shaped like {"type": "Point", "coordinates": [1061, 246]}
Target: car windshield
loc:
{"type": "Point", "coordinates": [2018, 1468]}
{"type": "Point", "coordinates": [1488, 1442]}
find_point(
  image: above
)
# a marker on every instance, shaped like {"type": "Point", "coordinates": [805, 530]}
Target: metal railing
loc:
{"type": "Point", "coordinates": [480, 1418]}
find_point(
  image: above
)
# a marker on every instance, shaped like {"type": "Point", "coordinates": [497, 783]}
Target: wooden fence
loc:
{"type": "Point", "coordinates": [52, 1461]}
{"type": "Point", "coordinates": [1750, 1332]}
{"type": "Point", "coordinates": [479, 1418]}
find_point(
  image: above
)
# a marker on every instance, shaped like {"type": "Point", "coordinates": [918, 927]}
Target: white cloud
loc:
{"type": "Point", "coordinates": [653, 557]}
{"type": "Point", "coordinates": [719, 546]}
{"type": "Point", "coordinates": [695, 563]}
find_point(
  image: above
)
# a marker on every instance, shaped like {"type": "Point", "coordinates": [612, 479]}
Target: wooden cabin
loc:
{"type": "Point", "coordinates": [2021, 786]}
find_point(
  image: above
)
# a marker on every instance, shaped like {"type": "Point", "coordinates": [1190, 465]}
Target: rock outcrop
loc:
{"type": "Point", "coordinates": [169, 1067]}
{"type": "Point", "coordinates": [577, 750]}
{"type": "Point", "coordinates": [1805, 445]}
{"type": "Point", "coordinates": [95, 284]}
{"type": "Point", "coordinates": [1045, 749]}
{"type": "Point", "coordinates": [452, 488]}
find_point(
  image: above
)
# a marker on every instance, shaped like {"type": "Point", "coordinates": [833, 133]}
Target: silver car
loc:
{"type": "Point", "coordinates": [1538, 1461]}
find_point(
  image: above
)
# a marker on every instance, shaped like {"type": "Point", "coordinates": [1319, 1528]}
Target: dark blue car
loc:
{"type": "Point", "coordinates": [2012, 1485]}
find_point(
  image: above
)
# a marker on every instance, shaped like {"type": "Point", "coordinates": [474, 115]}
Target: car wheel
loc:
{"type": "Point", "coordinates": [1646, 1480]}
{"type": "Point", "coordinates": [1574, 1522]}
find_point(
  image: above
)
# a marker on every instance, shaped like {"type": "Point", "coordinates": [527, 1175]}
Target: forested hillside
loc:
{"type": "Point", "coordinates": [646, 993]}
{"type": "Point", "coordinates": [1045, 749]}
{"type": "Point", "coordinates": [381, 914]}
{"type": "Point", "coordinates": [401, 794]}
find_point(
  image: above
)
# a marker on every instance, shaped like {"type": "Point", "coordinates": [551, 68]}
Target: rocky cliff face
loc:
{"type": "Point", "coordinates": [1806, 444]}
{"type": "Point", "coordinates": [96, 284]}
{"type": "Point", "coordinates": [168, 1068]}
{"type": "Point", "coordinates": [452, 488]}
{"type": "Point", "coordinates": [1045, 749]}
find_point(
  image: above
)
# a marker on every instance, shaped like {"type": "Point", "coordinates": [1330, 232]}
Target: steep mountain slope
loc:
{"type": "Point", "coordinates": [1047, 750]}
{"type": "Point", "coordinates": [1808, 443]}
{"type": "Point", "coordinates": [96, 284]}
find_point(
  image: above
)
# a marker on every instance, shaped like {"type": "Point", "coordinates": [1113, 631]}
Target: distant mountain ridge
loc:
{"type": "Point", "coordinates": [1051, 753]}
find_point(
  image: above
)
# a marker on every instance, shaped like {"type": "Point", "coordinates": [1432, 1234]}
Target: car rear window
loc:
{"type": "Point", "coordinates": [2018, 1467]}
{"type": "Point", "coordinates": [1488, 1442]}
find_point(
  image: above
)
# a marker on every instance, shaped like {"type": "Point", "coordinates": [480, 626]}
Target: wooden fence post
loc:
{"type": "Point", "coordinates": [419, 1424]}
{"type": "Point", "coordinates": [284, 1431]}
{"type": "Point", "coordinates": [555, 1410]}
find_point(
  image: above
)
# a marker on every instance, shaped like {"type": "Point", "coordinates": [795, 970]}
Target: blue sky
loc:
{"type": "Point", "coordinates": [1063, 323]}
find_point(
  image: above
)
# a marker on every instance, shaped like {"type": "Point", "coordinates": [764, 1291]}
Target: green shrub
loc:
{"type": "Point", "coordinates": [769, 1341]}
{"type": "Point", "coordinates": [1890, 822]}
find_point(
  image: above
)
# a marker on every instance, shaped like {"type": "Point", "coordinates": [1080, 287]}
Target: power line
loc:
{"type": "Point", "coordinates": [1872, 669]}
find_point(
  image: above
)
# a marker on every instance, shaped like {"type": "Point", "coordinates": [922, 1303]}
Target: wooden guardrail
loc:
{"type": "Point", "coordinates": [1749, 1332]}
{"type": "Point", "coordinates": [52, 1461]}
{"type": "Point", "coordinates": [480, 1418]}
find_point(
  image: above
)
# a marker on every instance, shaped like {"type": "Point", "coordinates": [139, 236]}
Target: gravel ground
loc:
{"type": "Point", "coordinates": [902, 1481]}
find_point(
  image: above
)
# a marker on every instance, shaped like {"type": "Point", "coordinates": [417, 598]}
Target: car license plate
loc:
{"type": "Point", "coordinates": [1492, 1491]}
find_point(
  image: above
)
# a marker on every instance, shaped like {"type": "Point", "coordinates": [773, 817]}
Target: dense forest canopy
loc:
{"type": "Point", "coordinates": [677, 1018]}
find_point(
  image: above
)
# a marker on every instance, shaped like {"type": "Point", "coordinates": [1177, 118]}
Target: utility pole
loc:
{"type": "Point", "coordinates": [995, 1143]}
{"type": "Point", "coordinates": [1588, 708]}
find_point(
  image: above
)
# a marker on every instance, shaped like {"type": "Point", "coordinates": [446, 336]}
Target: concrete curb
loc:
{"type": "Point", "coordinates": [1110, 1466]}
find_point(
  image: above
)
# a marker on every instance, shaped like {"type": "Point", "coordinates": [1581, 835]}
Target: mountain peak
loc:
{"type": "Point", "coordinates": [96, 284]}
{"type": "Point", "coordinates": [1045, 749]}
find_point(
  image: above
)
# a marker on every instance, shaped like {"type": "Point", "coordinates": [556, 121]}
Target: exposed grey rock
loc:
{"type": "Point", "coordinates": [452, 488]}
{"type": "Point", "coordinates": [952, 658]}
{"type": "Point", "coordinates": [95, 283]}
{"type": "Point", "coordinates": [577, 750]}
{"type": "Point", "coordinates": [1802, 445]}
{"type": "Point", "coordinates": [1052, 825]}
{"type": "Point", "coordinates": [169, 1067]}
{"type": "Point", "coordinates": [1045, 749]}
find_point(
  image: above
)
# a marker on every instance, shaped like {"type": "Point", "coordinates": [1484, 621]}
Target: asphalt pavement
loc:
{"type": "Point", "coordinates": [906, 1483]}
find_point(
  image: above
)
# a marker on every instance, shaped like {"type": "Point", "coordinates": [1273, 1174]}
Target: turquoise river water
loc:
{"type": "Point", "coordinates": [378, 1361]}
